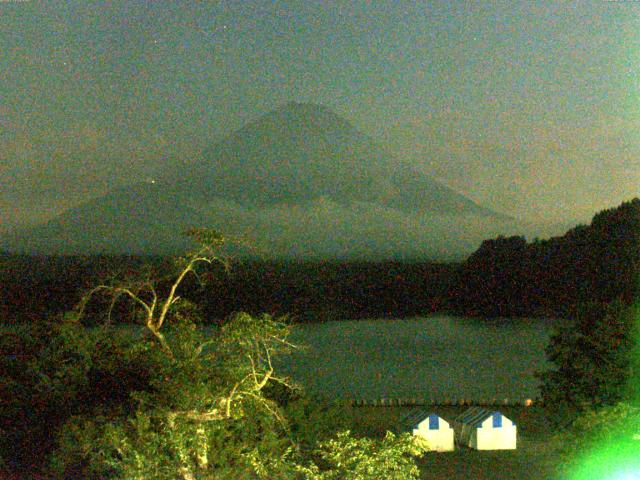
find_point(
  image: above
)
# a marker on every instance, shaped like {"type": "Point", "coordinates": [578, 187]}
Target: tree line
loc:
{"type": "Point", "coordinates": [598, 263]}
{"type": "Point", "coordinates": [32, 286]}
{"type": "Point", "coordinates": [505, 276]}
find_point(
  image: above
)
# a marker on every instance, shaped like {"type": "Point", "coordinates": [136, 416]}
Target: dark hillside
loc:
{"type": "Point", "coordinates": [595, 263]}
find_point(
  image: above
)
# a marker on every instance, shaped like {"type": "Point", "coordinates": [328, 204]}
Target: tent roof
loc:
{"type": "Point", "coordinates": [475, 416]}
{"type": "Point", "coordinates": [414, 417]}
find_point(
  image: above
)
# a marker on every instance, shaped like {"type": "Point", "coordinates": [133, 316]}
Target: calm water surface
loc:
{"type": "Point", "coordinates": [437, 357]}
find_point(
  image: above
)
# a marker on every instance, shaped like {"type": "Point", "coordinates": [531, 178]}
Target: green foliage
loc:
{"type": "Point", "coordinates": [204, 398]}
{"type": "Point", "coordinates": [312, 419]}
{"type": "Point", "coordinates": [65, 361]}
{"type": "Point", "coordinates": [150, 444]}
{"type": "Point", "coordinates": [179, 428]}
{"type": "Point", "coordinates": [633, 386]}
{"type": "Point", "coordinates": [591, 355]}
{"type": "Point", "coordinates": [366, 459]}
{"type": "Point", "coordinates": [50, 371]}
{"type": "Point", "coordinates": [174, 402]}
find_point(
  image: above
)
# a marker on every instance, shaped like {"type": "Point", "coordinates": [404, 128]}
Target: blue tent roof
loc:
{"type": "Point", "coordinates": [476, 416]}
{"type": "Point", "coordinates": [415, 417]}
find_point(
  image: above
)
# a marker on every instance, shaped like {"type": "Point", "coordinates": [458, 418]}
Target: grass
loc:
{"type": "Point", "coordinates": [535, 458]}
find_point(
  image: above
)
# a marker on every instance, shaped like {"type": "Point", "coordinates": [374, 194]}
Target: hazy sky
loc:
{"type": "Point", "coordinates": [528, 107]}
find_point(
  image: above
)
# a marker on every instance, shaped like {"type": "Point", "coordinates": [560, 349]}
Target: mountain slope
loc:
{"type": "Point", "coordinates": [304, 151]}
{"type": "Point", "coordinates": [288, 175]}
{"type": "Point", "coordinates": [140, 219]}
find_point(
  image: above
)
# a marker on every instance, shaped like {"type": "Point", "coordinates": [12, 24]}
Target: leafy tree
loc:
{"type": "Point", "coordinates": [314, 419]}
{"type": "Point", "coordinates": [199, 387]}
{"type": "Point", "coordinates": [204, 407]}
{"type": "Point", "coordinates": [207, 408]}
{"type": "Point", "coordinates": [591, 357]}
{"type": "Point", "coordinates": [51, 370]}
{"type": "Point", "coordinates": [366, 459]}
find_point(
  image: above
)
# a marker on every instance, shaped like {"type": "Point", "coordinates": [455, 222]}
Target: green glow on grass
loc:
{"type": "Point", "coordinates": [616, 461]}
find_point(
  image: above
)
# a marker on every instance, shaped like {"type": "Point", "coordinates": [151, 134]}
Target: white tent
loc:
{"type": "Point", "coordinates": [485, 430]}
{"type": "Point", "coordinates": [435, 430]}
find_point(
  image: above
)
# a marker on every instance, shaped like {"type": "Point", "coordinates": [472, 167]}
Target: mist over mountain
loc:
{"type": "Point", "coordinates": [298, 182]}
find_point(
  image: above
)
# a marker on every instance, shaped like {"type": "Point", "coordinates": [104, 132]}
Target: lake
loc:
{"type": "Point", "coordinates": [437, 357]}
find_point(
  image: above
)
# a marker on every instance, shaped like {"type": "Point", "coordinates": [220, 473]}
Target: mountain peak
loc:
{"type": "Point", "coordinates": [308, 115]}
{"type": "Point", "coordinates": [303, 151]}
{"type": "Point", "coordinates": [304, 107]}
